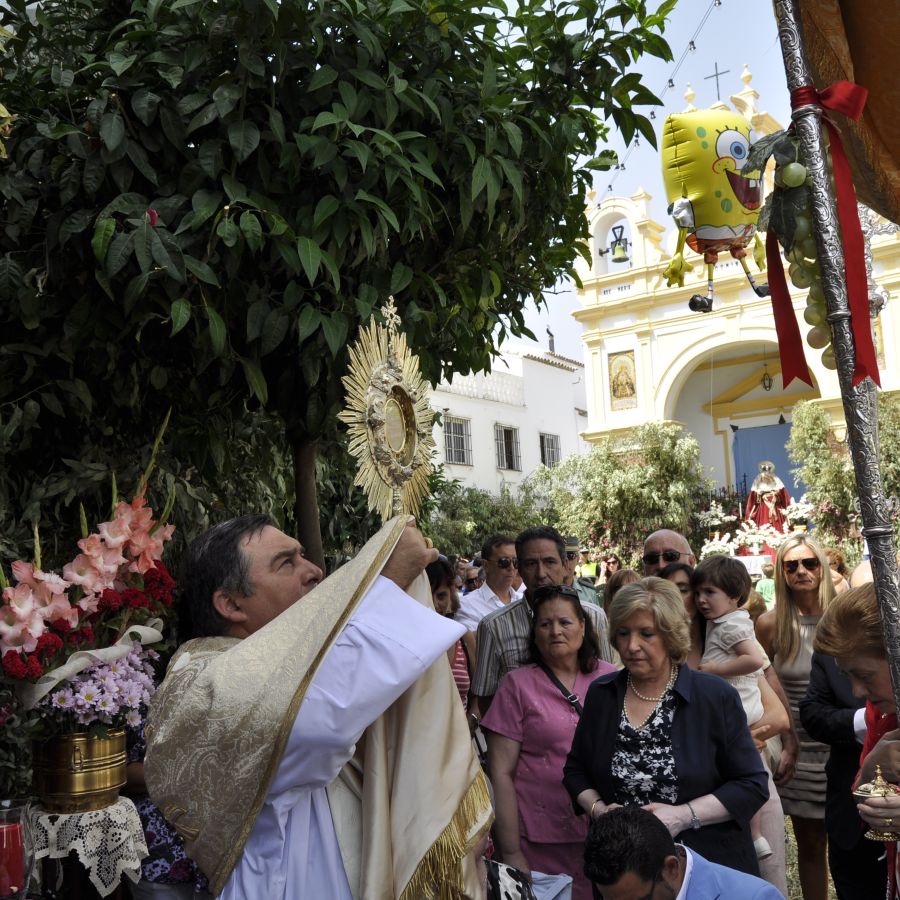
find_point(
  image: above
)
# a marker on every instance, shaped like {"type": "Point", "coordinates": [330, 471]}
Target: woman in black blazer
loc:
{"type": "Point", "coordinates": [661, 736]}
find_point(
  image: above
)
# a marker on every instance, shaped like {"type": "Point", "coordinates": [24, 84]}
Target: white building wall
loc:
{"type": "Point", "coordinates": [530, 390]}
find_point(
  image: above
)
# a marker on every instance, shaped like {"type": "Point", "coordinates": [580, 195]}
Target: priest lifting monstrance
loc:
{"type": "Point", "coordinates": [311, 742]}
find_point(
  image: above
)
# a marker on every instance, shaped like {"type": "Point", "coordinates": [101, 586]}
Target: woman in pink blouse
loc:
{"type": "Point", "coordinates": [529, 729]}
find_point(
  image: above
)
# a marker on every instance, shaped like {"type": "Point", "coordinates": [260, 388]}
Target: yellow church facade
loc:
{"type": "Point", "coordinates": [648, 358]}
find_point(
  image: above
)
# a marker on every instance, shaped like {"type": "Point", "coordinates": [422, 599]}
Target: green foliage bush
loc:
{"type": "Point", "coordinates": [461, 518]}
{"type": "Point", "coordinates": [825, 467]}
{"type": "Point", "coordinates": [626, 487]}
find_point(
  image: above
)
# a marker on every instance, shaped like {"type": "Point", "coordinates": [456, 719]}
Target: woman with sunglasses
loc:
{"type": "Point", "coordinates": [529, 729]}
{"type": "Point", "coordinates": [803, 590]}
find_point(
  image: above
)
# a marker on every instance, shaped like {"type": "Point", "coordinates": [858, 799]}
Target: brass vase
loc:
{"type": "Point", "coordinates": [76, 773]}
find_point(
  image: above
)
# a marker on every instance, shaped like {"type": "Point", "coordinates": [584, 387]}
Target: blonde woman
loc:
{"type": "Point", "coordinates": [803, 590]}
{"type": "Point", "coordinates": [658, 735]}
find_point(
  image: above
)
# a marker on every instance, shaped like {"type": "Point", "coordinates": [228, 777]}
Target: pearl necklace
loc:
{"type": "Point", "coordinates": [668, 687]}
{"type": "Point", "coordinates": [655, 700]}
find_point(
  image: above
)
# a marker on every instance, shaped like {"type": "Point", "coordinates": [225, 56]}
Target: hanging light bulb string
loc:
{"type": "Point", "coordinates": [669, 84]}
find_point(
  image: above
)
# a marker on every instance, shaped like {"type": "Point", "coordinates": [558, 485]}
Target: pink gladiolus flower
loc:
{"type": "Point", "coordinates": [137, 514]}
{"type": "Point", "coordinates": [22, 602]}
{"type": "Point", "coordinates": [19, 633]}
{"type": "Point", "coordinates": [146, 548]}
{"type": "Point", "coordinates": [115, 533]}
{"type": "Point", "coordinates": [108, 563]}
{"type": "Point", "coordinates": [61, 609]}
{"type": "Point", "coordinates": [83, 571]}
{"type": "Point", "coordinates": [23, 572]}
{"type": "Point", "coordinates": [89, 603]}
{"type": "Point", "coordinates": [91, 545]}
{"type": "Point", "coordinates": [51, 583]}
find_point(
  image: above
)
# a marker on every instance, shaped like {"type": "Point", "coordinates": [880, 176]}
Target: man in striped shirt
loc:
{"type": "Point", "coordinates": [502, 635]}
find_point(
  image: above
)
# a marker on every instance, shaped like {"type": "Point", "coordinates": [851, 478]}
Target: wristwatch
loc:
{"type": "Point", "coordinates": [695, 822]}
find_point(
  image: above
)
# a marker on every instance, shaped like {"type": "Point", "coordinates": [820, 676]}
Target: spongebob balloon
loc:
{"type": "Point", "coordinates": [714, 205]}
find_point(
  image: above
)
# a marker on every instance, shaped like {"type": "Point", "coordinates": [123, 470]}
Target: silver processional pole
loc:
{"type": "Point", "coordinates": [860, 402]}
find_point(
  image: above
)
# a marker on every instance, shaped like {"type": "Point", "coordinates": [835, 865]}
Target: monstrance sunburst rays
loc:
{"type": "Point", "coordinates": [389, 418]}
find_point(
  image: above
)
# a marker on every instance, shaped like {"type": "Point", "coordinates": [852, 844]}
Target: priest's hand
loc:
{"type": "Point", "coordinates": [409, 558]}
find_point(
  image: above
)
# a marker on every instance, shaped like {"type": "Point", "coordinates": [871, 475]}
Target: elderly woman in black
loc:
{"type": "Point", "coordinates": [661, 736]}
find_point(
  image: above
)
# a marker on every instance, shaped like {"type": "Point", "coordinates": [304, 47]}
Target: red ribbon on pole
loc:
{"type": "Point", "coordinates": [790, 343]}
{"type": "Point", "coordinates": [849, 99]}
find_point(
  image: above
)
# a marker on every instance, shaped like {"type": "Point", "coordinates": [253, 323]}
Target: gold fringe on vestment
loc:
{"type": "Point", "coordinates": [439, 876]}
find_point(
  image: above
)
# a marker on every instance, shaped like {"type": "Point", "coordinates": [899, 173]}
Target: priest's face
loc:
{"type": "Point", "coordinates": [279, 574]}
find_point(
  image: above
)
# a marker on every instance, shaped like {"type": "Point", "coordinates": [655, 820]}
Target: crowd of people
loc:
{"type": "Point", "coordinates": [637, 728]}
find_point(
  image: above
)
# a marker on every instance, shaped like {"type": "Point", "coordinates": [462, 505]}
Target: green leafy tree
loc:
{"type": "Point", "coordinates": [824, 466]}
{"type": "Point", "coordinates": [626, 487]}
{"type": "Point", "coordinates": [462, 518]}
{"type": "Point", "coordinates": [203, 201]}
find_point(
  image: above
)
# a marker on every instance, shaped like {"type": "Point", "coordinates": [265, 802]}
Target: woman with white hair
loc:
{"type": "Point", "coordinates": [661, 736]}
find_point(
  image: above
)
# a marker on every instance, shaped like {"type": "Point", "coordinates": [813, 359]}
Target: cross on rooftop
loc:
{"type": "Point", "coordinates": [716, 75]}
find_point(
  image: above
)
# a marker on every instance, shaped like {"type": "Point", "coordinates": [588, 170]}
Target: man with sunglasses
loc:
{"type": "Point", "coordinates": [503, 634]}
{"type": "Point", "coordinates": [664, 547]}
{"type": "Point", "coordinates": [499, 557]}
{"type": "Point", "coordinates": [474, 579]}
{"type": "Point", "coordinates": [630, 855]}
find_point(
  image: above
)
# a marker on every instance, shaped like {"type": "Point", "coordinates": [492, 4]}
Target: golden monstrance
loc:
{"type": "Point", "coordinates": [389, 418]}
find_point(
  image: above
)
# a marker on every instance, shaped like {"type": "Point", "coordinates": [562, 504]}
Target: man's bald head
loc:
{"type": "Point", "coordinates": [664, 547]}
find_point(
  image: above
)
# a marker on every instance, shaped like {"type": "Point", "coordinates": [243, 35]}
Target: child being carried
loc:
{"type": "Point", "coordinates": [721, 587]}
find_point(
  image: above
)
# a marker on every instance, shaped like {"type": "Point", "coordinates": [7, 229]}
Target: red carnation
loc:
{"type": "Point", "coordinates": [135, 599]}
{"type": "Point", "coordinates": [111, 600]}
{"type": "Point", "coordinates": [35, 669]}
{"type": "Point", "coordinates": [48, 644]}
{"type": "Point", "coordinates": [61, 625]}
{"type": "Point", "coordinates": [82, 636]}
{"type": "Point", "coordinates": [14, 665]}
{"type": "Point", "coordinates": [159, 584]}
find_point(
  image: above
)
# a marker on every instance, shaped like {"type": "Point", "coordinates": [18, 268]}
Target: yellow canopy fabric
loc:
{"type": "Point", "coordinates": [859, 41]}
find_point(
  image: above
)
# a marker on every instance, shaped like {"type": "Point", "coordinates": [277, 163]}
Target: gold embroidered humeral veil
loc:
{"type": "Point", "coordinates": [221, 719]}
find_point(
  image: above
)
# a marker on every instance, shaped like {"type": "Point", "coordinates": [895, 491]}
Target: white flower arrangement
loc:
{"type": "Point", "coordinates": [714, 516]}
{"type": "Point", "coordinates": [718, 545]}
{"type": "Point", "coordinates": [754, 536]}
{"type": "Point", "coordinates": [799, 511]}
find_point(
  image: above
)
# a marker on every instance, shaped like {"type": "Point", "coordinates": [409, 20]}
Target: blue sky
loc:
{"type": "Point", "coordinates": [734, 33]}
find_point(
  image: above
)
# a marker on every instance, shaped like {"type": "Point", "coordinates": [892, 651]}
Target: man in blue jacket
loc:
{"type": "Point", "coordinates": [630, 855]}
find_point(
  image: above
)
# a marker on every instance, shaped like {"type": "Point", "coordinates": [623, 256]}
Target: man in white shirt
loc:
{"type": "Point", "coordinates": [255, 721]}
{"type": "Point", "coordinates": [500, 564]}
{"type": "Point", "coordinates": [630, 855]}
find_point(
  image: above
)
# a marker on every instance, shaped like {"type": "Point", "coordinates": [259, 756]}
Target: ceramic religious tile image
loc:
{"type": "Point", "coordinates": [622, 381]}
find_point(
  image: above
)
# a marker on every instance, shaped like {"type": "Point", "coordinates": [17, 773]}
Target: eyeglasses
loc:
{"type": "Point", "coordinates": [571, 554]}
{"type": "Point", "coordinates": [553, 590]}
{"type": "Point", "coordinates": [670, 556]}
{"type": "Point", "coordinates": [472, 580]}
{"type": "Point", "coordinates": [810, 563]}
{"type": "Point", "coordinates": [505, 562]}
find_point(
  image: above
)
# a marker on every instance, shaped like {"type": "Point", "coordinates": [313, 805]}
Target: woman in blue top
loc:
{"type": "Point", "coordinates": [663, 737]}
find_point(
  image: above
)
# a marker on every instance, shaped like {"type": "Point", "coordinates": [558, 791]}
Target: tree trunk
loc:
{"type": "Point", "coordinates": [306, 505]}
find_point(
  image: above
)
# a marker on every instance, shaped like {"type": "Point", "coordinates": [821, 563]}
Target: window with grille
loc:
{"type": "Point", "coordinates": [550, 450]}
{"type": "Point", "coordinates": [507, 440]}
{"type": "Point", "coordinates": [458, 441]}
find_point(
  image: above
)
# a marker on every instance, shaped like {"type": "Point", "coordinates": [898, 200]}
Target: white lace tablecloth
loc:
{"type": "Point", "coordinates": [109, 842]}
